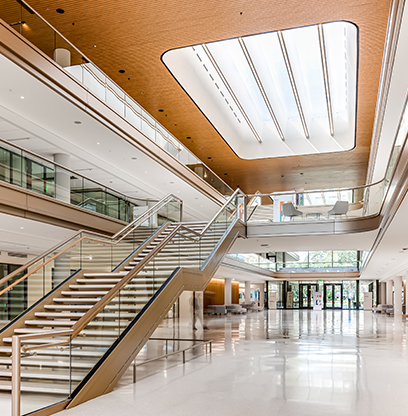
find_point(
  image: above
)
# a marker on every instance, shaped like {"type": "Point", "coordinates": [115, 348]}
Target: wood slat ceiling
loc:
{"type": "Point", "coordinates": [132, 35]}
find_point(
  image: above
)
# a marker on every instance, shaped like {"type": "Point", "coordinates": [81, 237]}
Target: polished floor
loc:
{"type": "Point", "coordinates": [283, 363]}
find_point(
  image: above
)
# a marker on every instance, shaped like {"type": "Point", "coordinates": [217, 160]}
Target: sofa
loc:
{"type": "Point", "coordinates": [383, 309]}
{"type": "Point", "coordinates": [235, 308]}
{"type": "Point", "coordinates": [217, 309]}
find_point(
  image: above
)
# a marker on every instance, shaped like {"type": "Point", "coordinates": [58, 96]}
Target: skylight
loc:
{"type": "Point", "coordinates": [290, 92]}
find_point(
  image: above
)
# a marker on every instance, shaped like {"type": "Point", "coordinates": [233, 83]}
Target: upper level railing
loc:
{"type": "Point", "coordinates": [308, 262]}
{"type": "Point", "coordinates": [30, 171]}
{"type": "Point", "coordinates": [45, 37]}
{"type": "Point", "coordinates": [322, 205]}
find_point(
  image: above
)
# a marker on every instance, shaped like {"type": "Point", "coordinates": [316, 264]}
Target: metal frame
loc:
{"type": "Point", "coordinates": [260, 86]}
{"type": "Point", "coordinates": [325, 77]}
{"type": "Point", "coordinates": [292, 82]}
{"type": "Point", "coordinates": [16, 364]}
{"type": "Point", "coordinates": [228, 87]}
{"type": "Point", "coordinates": [202, 342]}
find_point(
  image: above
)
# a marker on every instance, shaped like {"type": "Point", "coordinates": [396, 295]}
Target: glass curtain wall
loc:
{"type": "Point", "coordinates": [346, 294]}
{"type": "Point", "coordinates": [27, 171]}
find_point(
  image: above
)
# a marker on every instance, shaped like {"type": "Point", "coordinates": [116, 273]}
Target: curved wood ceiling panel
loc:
{"type": "Point", "coordinates": [132, 35]}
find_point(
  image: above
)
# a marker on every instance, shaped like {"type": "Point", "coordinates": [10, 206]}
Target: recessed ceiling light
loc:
{"type": "Point", "coordinates": [22, 97]}
{"type": "Point", "coordinates": [97, 143]}
{"type": "Point", "coordinates": [60, 11]}
{"type": "Point", "coordinates": [161, 110]}
{"type": "Point", "coordinates": [134, 158]}
{"type": "Point", "coordinates": [77, 122]}
{"type": "Point", "coordinates": [122, 71]}
{"type": "Point", "coordinates": [188, 137]}
{"type": "Point", "coordinates": [171, 182]}
{"type": "Point", "coordinates": [21, 228]}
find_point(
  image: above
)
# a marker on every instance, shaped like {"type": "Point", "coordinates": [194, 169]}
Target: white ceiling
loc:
{"type": "Point", "coordinates": [389, 259]}
{"type": "Point", "coordinates": [357, 241]}
{"type": "Point", "coordinates": [29, 237]}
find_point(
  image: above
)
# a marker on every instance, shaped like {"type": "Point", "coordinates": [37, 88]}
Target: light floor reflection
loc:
{"type": "Point", "coordinates": [284, 363]}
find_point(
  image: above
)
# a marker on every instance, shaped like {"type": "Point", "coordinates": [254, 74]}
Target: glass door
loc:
{"type": "Point", "coordinates": [328, 296]}
{"type": "Point", "coordinates": [337, 295]}
{"type": "Point", "coordinates": [306, 295]}
{"type": "Point", "coordinates": [303, 296]}
{"type": "Point", "coordinates": [333, 295]}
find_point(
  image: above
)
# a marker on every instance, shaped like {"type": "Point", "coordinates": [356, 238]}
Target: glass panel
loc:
{"type": "Point", "coordinates": [329, 296]}
{"type": "Point", "coordinates": [49, 371]}
{"type": "Point", "coordinates": [337, 296]}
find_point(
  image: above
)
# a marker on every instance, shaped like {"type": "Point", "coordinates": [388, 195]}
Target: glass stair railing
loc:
{"type": "Point", "coordinates": [85, 250]}
{"type": "Point", "coordinates": [81, 325]}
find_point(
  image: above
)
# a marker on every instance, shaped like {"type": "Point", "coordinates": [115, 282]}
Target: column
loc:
{"type": "Point", "coordinates": [247, 292]}
{"type": "Point", "coordinates": [398, 297]}
{"type": "Point", "coordinates": [383, 297]}
{"type": "Point", "coordinates": [227, 291]}
{"type": "Point", "coordinates": [389, 292]}
{"type": "Point", "coordinates": [62, 57]}
{"type": "Point", "coordinates": [261, 295]}
{"type": "Point", "coordinates": [62, 177]}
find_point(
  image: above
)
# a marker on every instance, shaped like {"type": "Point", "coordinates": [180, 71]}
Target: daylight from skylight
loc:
{"type": "Point", "coordinates": [290, 92]}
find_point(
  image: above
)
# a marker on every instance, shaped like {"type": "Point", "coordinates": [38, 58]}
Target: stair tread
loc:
{"type": "Point", "coordinates": [26, 362]}
{"type": "Point", "coordinates": [43, 375]}
{"type": "Point", "coordinates": [50, 389]}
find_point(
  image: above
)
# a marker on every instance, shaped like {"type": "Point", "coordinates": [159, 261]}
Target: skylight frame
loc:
{"type": "Point", "coordinates": [333, 132]}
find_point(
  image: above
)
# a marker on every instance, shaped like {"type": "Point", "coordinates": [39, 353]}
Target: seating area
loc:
{"type": "Point", "coordinates": [233, 309]}
{"type": "Point", "coordinates": [384, 309]}
{"type": "Point", "coordinates": [340, 209]}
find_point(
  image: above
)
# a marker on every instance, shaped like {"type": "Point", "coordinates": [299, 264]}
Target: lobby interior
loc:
{"type": "Point", "coordinates": [176, 173]}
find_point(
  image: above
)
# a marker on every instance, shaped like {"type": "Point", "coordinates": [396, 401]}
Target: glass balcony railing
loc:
{"type": "Point", "coordinates": [39, 32]}
{"type": "Point", "coordinates": [305, 262]}
{"type": "Point", "coordinates": [35, 173]}
{"type": "Point", "coordinates": [321, 205]}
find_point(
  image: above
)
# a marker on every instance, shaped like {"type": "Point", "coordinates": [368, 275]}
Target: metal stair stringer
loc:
{"type": "Point", "coordinates": [107, 372]}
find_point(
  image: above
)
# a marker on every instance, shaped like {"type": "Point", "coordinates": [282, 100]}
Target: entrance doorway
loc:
{"type": "Point", "coordinates": [333, 295]}
{"type": "Point", "coordinates": [306, 295]}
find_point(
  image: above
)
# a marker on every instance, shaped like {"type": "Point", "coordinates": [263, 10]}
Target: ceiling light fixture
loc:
{"type": "Point", "coordinates": [292, 81]}
{"type": "Point", "coordinates": [260, 86]}
{"type": "Point", "coordinates": [326, 78]}
{"type": "Point", "coordinates": [227, 86]}
{"type": "Point", "coordinates": [21, 22]}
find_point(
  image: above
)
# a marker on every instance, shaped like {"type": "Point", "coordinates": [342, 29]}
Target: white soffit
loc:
{"type": "Point", "coordinates": [290, 92]}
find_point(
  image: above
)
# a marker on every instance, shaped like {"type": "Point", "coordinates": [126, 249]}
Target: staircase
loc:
{"type": "Point", "coordinates": [111, 311]}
